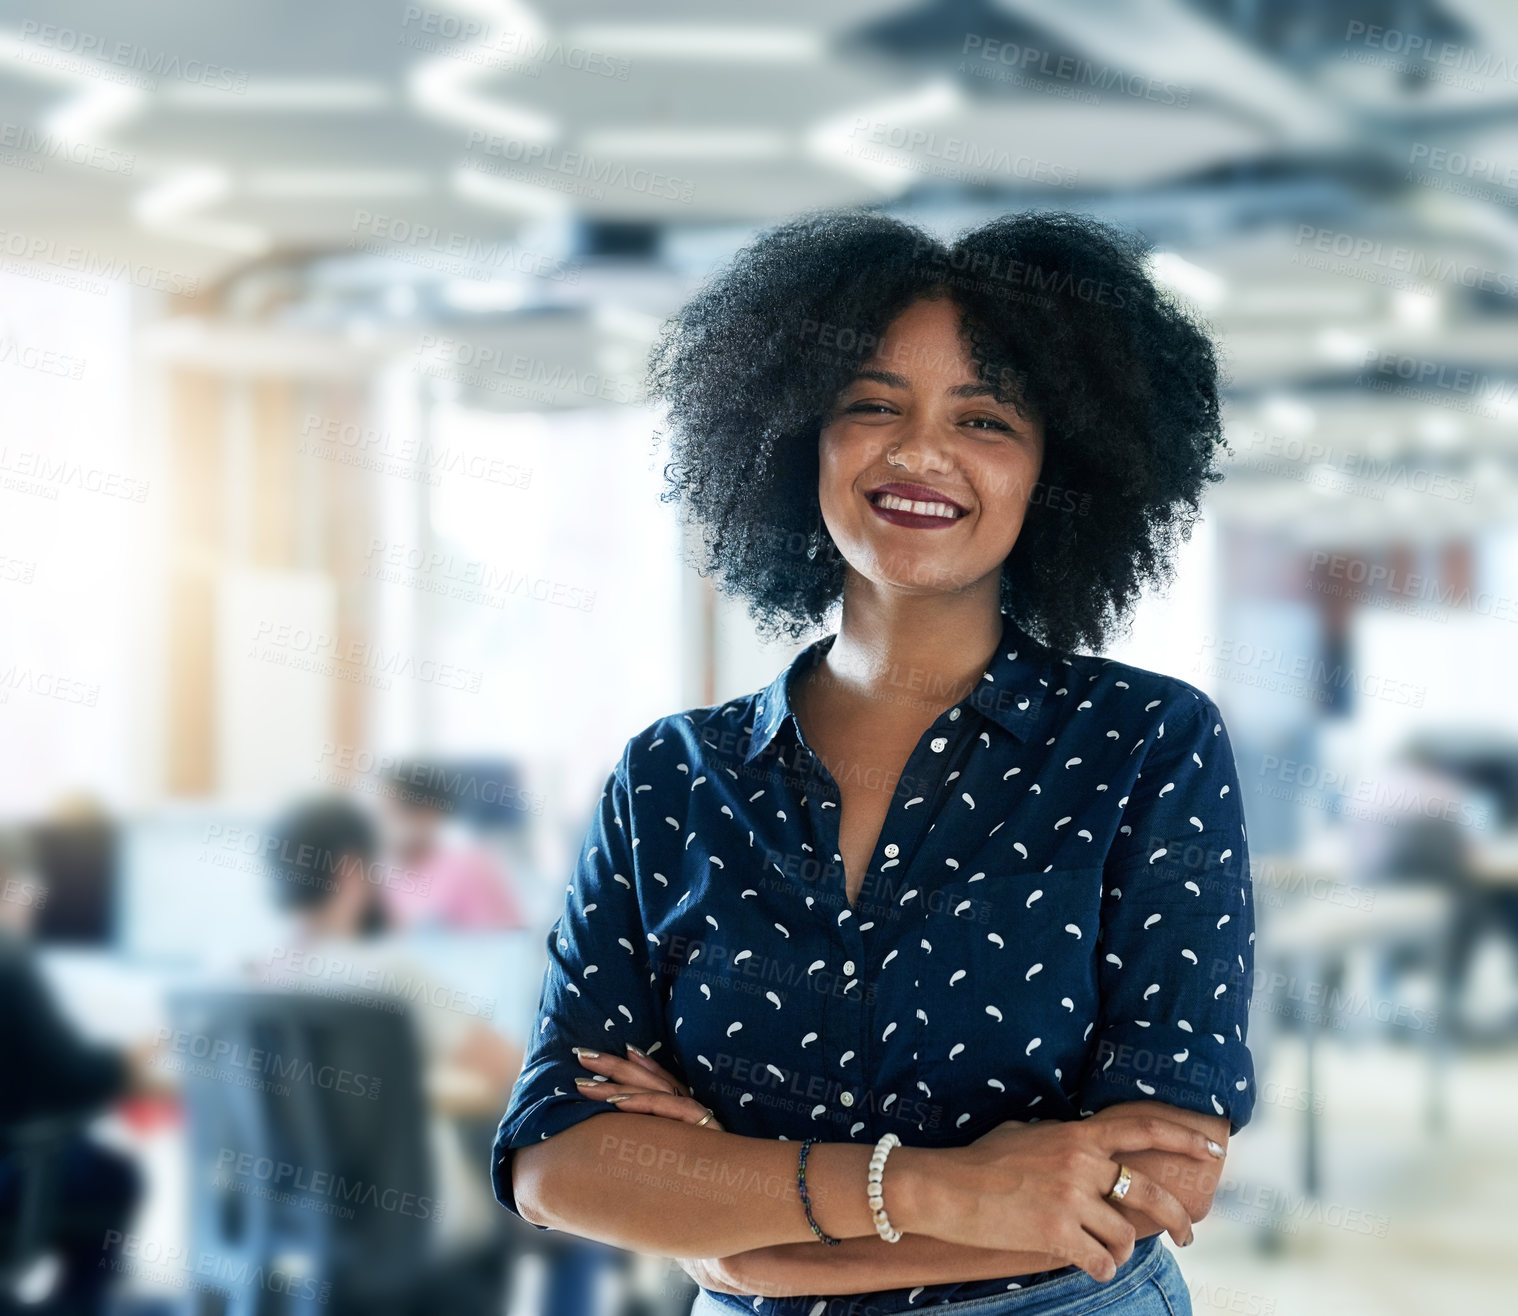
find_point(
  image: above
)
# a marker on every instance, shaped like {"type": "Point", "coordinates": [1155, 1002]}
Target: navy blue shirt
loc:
{"type": "Point", "coordinates": [1057, 917]}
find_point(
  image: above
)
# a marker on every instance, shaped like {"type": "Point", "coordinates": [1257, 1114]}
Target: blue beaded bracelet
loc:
{"type": "Point", "coordinates": [806, 1202]}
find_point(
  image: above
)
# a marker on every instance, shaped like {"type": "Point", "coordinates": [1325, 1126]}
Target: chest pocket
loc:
{"type": "Point", "coordinates": [1006, 975]}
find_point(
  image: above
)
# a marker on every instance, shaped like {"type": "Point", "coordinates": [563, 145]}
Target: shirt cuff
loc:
{"type": "Point", "coordinates": [540, 1119]}
{"type": "Point", "coordinates": [1162, 1062]}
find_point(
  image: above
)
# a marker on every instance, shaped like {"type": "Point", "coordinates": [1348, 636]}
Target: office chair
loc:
{"type": "Point", "coordinates": [312, 1180]}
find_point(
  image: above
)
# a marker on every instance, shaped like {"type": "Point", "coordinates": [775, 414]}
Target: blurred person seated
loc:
{"type": "Point", "coordinates": [54, 1083]}
{"type": "Point", "coordinates": [326, 875]}
{"type": "Point", "coordinates": [458, 882]}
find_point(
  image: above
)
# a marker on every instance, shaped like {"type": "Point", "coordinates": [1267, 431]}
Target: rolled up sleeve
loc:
{"type": "Point", "coordinates": [598, 988]}
{"type": "Point", "coordinates": [1176, 952]}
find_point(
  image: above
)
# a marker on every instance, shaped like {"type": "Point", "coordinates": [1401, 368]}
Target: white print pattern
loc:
{"type": "Point", "coordinates": [1057, 918]}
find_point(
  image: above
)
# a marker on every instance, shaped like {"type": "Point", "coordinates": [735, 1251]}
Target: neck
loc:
{"type": "Point", "coordinates": [918, 653]}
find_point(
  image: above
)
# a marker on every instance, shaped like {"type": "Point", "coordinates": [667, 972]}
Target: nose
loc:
{"type": "Point", "coordinates": [921, 444]}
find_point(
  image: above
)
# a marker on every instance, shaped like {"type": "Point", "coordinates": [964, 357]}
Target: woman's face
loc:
{"type": "Point", "coordinates": [920, 399]}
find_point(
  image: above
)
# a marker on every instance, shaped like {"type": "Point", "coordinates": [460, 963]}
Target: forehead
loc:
{"type": "Point", "coordinates": [923, 342]}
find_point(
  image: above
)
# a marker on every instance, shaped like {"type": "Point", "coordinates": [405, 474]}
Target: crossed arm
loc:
{"type": "Point", "coordinates": [860, 1265]}
{"type": "Point", "coordinates": [790, 1262]}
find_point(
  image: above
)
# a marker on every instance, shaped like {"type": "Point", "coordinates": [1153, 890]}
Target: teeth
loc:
{"type": "Point", "coordinates": [921, 509]}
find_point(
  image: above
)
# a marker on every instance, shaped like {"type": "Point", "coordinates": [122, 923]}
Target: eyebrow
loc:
{"type": "Point", "coordinates": [892, 380]}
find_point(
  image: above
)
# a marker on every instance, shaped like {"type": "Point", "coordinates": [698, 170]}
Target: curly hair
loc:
{"type": "Point", "coordinates": [1058, 312]}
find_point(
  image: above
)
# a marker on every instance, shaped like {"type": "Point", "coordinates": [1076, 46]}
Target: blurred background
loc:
{"type": "Point", "coordinates": [333, 578]}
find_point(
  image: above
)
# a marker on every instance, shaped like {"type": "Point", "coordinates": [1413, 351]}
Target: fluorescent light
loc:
{"type": "Point", "coordinates": [1342, 347]}
{"type": "Point", "coordinates": [1288, 415]}
{"type": "Point", "coordinates": [309, 95]}
{"type": "Point", "coordinates": [176, 196]}
{"type": "Point", "coordinates": [624, 322]}
{"type": "Point", "coordinates": [691, 144]}
{"type": "Point", "coordinates": [441, 87]}
{"type": "Point", "coordinates": [836, 141]}
{"type": "Point", "coordinates": [94, 112]}
{"type": "Point", "coordinates": [319, 183]}
{"type": "Point", "coordinates": [1412, 307]}
{"type": "Point", "coordinates": [1191, 281]}
{"type": "Point", "coordinates": [482, 296]}
{"type": "Point", "coordinates": [745, 45]}
{"type": "Point", "coordinates": [170, 208]}
{"type": "Point", "coordinates": [505, 194]}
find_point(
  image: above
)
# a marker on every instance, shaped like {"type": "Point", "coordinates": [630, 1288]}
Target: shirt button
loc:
{"type": "Point", "coordinates": [892, 850]}
{"type": "Point", "coordinates": [848, 968]}
{"type": "Point", "coordinates": [847, 1098]}
{"type": "Point", "coordinates": [940, 743]}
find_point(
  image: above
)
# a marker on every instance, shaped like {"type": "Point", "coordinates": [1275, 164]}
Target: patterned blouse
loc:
{"type": "Point", "coordinates": [1057, 917]}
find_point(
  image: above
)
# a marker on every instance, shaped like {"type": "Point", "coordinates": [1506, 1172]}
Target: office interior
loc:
{"type": "Point", "coordinates": [325, 472]}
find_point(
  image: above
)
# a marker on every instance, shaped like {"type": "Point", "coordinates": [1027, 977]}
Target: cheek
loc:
{"type": "Point", "coordinates": [1005, 487]}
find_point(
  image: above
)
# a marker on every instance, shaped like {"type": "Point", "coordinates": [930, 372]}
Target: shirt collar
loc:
{"type": "Point", "coordinates": [1010, 693]}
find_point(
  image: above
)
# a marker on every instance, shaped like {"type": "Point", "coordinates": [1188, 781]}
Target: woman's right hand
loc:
{"type": "Point", "coordinates": [1042, 1187]}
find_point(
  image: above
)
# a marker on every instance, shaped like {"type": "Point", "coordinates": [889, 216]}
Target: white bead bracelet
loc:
{"type": "Point", "coordinates": [877, 1200]}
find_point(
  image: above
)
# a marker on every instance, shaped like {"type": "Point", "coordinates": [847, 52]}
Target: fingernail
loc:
{"type": "Point", "coordinates": [621, 1097]}
{"type": "Point", "coordinates": [1190, 1239]}
{"type": "Point", "coordinates": [588, 1082]}
{"type": "Point", "coordinates": [1215, 1148]}
{"type": "Point", "coordinates": [585, 1054]}
{"type": "Point", "coordinates": [634, 1050]}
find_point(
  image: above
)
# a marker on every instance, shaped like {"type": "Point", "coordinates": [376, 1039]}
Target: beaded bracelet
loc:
{"type": "Point", "coordinates": [875, 1193]}
{"type": "Point", "coordinates": [806, 1202]}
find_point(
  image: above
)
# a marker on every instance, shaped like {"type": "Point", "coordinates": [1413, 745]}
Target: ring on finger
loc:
{"type": "Point", "coordinates": [1119, 1190]}
{"type": "Point", "coordinates": [705, 1119]}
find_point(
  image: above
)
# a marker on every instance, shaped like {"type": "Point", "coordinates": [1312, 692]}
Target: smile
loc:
{"type": "Point", "coordinates": [917, 514]}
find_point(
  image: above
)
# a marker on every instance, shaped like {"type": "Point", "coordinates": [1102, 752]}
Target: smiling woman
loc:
{"type": "Point", "coordinates": [938, 948]}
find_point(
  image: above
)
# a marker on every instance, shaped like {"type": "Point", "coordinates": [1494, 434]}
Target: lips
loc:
{"type": "Point", "coordinates": [917, 493]}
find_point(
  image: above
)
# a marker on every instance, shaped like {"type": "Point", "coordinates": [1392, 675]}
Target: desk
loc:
{"type": "Point", "coordinates": [1313, 939]}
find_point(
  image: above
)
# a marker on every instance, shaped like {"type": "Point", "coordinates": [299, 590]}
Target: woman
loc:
{"type": "Point", "coordinates": [941, 879]}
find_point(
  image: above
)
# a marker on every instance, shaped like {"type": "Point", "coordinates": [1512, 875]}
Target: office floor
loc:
{"type": "Point", "coordinates": [1444, 1205]}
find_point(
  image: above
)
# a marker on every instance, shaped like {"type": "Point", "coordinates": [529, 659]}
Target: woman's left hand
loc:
{"type": "Point", "coordinates": [640, 1085]}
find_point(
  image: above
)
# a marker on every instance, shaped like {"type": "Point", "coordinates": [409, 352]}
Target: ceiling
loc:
{"type": "Point", "coordinates": [350, 176]}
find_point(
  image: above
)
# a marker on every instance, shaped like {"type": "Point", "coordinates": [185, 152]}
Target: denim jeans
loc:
{"type": "Point", "coordinates": [1149, 1283]}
